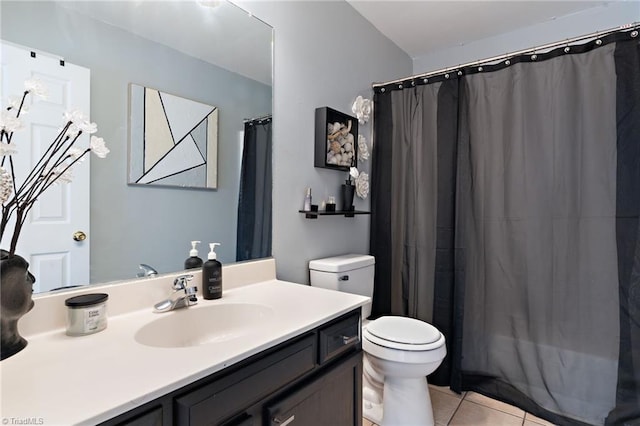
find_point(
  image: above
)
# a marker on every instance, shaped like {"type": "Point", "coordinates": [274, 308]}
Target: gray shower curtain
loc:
{"type": "Point", "coordinates": [513, 227]}
{"type": "Point", "coordinates": [254, 199]}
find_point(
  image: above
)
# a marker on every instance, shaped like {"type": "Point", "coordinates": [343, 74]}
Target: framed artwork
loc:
{"type": "Point", "coordinates": [173, 141]}
{"type": "Point", "coordinates": [336, 139]}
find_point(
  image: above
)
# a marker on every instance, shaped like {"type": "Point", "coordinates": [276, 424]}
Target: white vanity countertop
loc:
{"type": "Point", "coordinates": [62, 380]}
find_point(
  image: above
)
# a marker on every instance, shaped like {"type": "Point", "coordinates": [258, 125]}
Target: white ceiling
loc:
{"type": "Point", "coordinates": [422, 27]}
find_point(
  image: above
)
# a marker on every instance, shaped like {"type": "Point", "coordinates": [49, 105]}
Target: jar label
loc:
{"type": "Point", "coordinates": [94, 318]}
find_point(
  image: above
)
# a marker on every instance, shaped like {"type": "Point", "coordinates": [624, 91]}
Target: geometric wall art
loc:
{"type": "Point", "coordinates": [173, 141]}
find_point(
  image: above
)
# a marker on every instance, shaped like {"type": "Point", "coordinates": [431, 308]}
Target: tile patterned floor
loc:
{"type": "Point", "coordinates": [473, 409]}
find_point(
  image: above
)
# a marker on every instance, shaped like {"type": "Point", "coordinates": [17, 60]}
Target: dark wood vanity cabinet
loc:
{"type": "Point", "coordinates": [312, 379]}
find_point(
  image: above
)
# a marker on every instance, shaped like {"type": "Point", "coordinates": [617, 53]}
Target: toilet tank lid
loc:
{"type": "Point", "coordinates": [342, 263]}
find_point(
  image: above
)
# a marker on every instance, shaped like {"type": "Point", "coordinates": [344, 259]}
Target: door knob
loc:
{"type": "Point", "coordinates": [79, 236]}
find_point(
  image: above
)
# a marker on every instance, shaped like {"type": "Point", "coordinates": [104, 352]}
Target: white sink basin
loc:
{"type": "Point", "coordinates": [201, 325]}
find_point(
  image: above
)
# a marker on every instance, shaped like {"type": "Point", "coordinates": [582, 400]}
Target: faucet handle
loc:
{"type": "Point", "coordinates": [147, 271]}
{"type": "Point", "coordinates": [191, 294]}
{"type": "Point", "coordinates": [180, 283]}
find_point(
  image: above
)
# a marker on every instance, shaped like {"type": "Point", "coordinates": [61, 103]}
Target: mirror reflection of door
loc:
{"type": "Point", "coordinates": [47, 239]}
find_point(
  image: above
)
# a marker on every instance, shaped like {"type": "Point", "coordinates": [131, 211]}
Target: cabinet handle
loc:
{"type": "Point", "coordinates": [349, 339]}
{"type": "Point", "coordinates": [284, 422]}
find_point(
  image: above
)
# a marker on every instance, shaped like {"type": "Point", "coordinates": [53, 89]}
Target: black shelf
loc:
{"type": "Point", "coordinates": [345, 213]}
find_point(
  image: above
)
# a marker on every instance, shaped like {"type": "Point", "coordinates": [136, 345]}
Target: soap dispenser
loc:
{"type": "Point", "coordinates": [193, 261]}
{"type": "Point", "coordinates": [212, 275]}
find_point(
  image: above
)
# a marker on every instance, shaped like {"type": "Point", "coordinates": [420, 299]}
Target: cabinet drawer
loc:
{"type": "Point", "coordinates": [229, 395]}
{"type": "Point", "coordinates": [340, 336]}
{"type": "Point", "coordinates": [151, 414]}
{"type": "Point", "coordinates": [152, 417]}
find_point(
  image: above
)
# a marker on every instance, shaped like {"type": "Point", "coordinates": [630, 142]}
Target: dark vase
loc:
{"type": "Point", "coordinates": [16, 285]}
{"type": "Point", "coordinates": [347, 196]}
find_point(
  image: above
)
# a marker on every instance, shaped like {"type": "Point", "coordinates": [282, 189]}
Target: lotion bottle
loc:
{"type": "Point", "coordinates": [307, 201]}
{"type": "Point", "coordinates": [193, 261]}
{"type": "Point", "coordinates": [212, 275]}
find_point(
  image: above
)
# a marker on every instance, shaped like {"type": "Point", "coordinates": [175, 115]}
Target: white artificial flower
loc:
{"type": "Point", "coordinates": [8, 149]}
{"type": "Point", "coordinates": [356, 107]}
{"type": "Point", "coordinates": [353, 171]}
{"type": "Point", "coordinates": [79, 122]}
{"type": "Point", "coordinates": [88, 127]}
{"type": "Point", "coordinates": [72, 131]}
{"type": "Point", "coordinates": [362, 185]}
{"type": "Point", "coordinates": [14, 104]}
{"type": "Point", "coordinates": [362, 109]}
{"type": "Point", "coordinates": [98, 147]}
{"type": "Point", "coordinates": [75, 153]}
{"type": "Point", "coordinates": [363, 150]}
{"type": "Point", "coordinates": [35, 87]}
{"type": "Point", "coordinates": [9, 123]}
{"type": "Point", "coordinates": [82, 126]}
{"type": "Point", "coordinates": [60, 176]}
{"type": "Point", "coordinates": [367, 108]}
{"type": "Point", "coordinates": [75, 116]}
{"type": "Point", "coordinates": [6, 186]}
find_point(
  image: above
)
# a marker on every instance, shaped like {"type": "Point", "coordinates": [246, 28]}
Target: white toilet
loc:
{"type": "Point", "coordinates": [399, 352]}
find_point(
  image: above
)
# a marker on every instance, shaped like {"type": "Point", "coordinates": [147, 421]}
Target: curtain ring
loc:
{"type": "Point", "coordinates": [598, 40]}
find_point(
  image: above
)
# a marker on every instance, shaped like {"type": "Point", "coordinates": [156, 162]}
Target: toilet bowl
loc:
{"type": "Point", "coordinates": [402, 351]}
{"type": "Point", "coordinates": [399, 352]}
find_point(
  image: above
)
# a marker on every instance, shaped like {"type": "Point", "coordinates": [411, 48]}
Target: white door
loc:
{"type": "Point", "coordinates": [46, 240]}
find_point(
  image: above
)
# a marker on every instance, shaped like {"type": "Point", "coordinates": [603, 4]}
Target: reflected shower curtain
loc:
{"type": "Point", "coordinates": [254, 201]}
{"type": "Point", "coordinates": [505, 212]}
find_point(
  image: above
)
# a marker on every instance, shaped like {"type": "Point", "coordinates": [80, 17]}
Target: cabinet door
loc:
{"type": "Point", "coordinates": [334, 398]}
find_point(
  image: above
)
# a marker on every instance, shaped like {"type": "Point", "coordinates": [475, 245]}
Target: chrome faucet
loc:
{"type": "Point", "coordinates": [183, 295]}
{"type": "Point", "coordinates": [147, 271]}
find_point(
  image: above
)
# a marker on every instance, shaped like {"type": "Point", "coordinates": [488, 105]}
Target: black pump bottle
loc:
{"type": "Point", "coordinates": [212, 275]}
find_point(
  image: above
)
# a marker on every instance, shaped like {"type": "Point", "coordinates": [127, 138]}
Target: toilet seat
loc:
{"type": "Point", "coordinates": [402, 333]}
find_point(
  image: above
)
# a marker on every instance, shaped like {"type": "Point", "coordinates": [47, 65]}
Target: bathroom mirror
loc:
{"type": "Point", "coordinates": [206, 51]}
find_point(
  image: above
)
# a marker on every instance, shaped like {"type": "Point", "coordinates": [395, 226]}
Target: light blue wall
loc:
{"type": "Point", "coordinates": [564, 27]}
{"type": "Point", "coordinates": [134, 224]}
{"type": "Point", "coordinates": [326, 54]}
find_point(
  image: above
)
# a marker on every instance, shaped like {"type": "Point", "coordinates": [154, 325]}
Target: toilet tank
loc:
{"type": "Point", "coordinates": [350, 273]}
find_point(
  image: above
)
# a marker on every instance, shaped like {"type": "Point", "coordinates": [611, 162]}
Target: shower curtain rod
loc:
{"type": "Point", "coordinates": [632, 26]}
{"type": "Point", "coordinates": [264, 117]}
